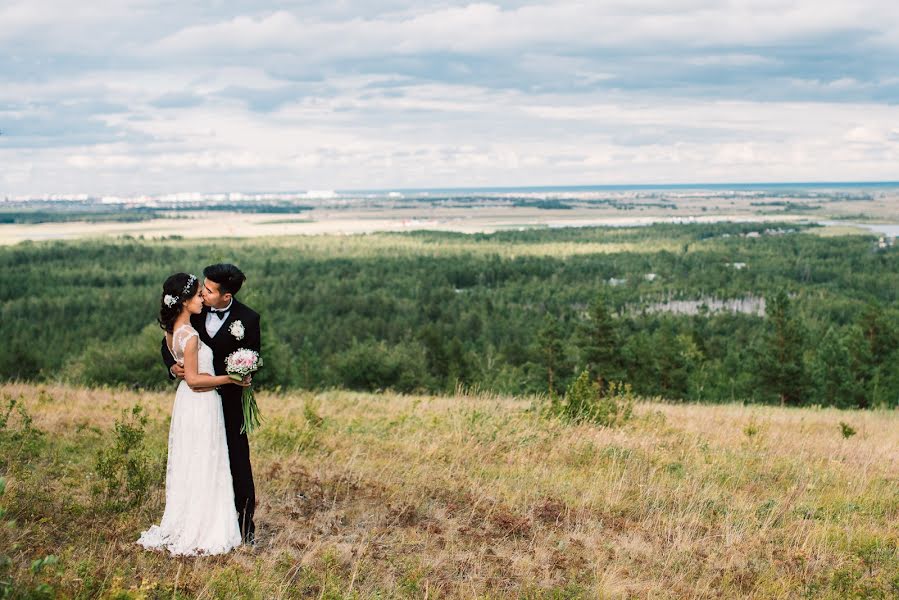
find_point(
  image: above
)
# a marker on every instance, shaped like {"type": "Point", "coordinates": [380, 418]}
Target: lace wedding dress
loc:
{"type": "Point", "coordinates": [200, 516]}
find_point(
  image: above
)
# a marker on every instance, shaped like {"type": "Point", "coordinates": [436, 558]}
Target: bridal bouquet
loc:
{"type": "Point", "coordinates": [239, 364]}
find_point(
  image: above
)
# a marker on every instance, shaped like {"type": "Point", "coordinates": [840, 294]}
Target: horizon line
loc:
{"type": "Point", "coordinates": [687, 185]}
{"type": "Point", "coordinates": [497, 188]}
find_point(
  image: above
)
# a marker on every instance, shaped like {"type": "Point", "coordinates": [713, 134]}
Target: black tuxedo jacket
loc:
{"type": "Point", "coordinates": [223, 343]}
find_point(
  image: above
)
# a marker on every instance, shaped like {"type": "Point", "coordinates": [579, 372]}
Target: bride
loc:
{"type": "Point", "coordinates": [199, 517]}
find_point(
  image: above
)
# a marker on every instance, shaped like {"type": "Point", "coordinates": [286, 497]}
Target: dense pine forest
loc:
{"type": "Point", "coordinates": [699, 312]}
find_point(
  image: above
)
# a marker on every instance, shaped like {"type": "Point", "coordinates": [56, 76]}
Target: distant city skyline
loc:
{"type": "Point", "coordinates": [745, 188]}
{"type": "Point", "coordinates": [130, 97]}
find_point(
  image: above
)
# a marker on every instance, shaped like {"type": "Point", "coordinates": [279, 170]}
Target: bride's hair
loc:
{"type": "Point", "coordinates": [176, 289]}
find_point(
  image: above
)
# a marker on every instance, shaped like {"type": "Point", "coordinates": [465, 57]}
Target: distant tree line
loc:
{"type": "Point", "coordinates": [518, 321]}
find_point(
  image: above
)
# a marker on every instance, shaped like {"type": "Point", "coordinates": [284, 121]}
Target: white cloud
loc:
{"type": "Point", "coordinates": [115, 94]}
{"type": "Point", "coordinates": [731, 60]}
{"type": "Point", "coordinates": [469, 141]}
{"type": "Point", "coordinates": [479, 27]}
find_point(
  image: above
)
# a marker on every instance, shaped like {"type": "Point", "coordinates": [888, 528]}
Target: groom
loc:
{"type": "Point", "coordinates": [226, 325]}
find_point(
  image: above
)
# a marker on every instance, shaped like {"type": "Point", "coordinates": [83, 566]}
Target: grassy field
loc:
{"type": "Point", "coordinates": [382, 496]}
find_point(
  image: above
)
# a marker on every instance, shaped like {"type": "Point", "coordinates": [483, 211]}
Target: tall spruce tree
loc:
{"type": "Point", "coordinates": [861, 362]}
{"type": "Point", "coordinates": [601, 344]}
{"type": "Point", "coordinates": [879, 332]}
{"type": "Point", "coordinates": [880, 342]}
{"type": "Point", "coordinates": [780, 365]}
{"type": "Point", "coordinates": [835, 382]}
{"type": "Point", "coordinates": [549, 340]}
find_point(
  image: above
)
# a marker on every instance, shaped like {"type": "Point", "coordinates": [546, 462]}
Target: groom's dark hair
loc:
{"type": "Point", "coordinates": [228, 276]}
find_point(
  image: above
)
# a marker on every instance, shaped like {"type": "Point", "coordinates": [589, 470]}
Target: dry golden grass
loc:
{"type": "Point", "coordinates": [478, 496]}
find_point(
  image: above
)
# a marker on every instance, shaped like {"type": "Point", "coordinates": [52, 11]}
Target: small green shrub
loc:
{"type": "Point", "coordinates": [125, 471]}
{"type": "Point", "coordinates": [847, 430]}
{"type": "Point", "coordinates": [588, 401]}
{"type": "Point", "coordinates": [310, 414]}
{"type": "Point", "coordinates": [752, 429]}
{"type": "Point", "coordinates": [20, 440]}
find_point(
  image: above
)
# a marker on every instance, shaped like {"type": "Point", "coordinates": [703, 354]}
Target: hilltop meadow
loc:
{"type": "Point", "coordinates": [466, 496]}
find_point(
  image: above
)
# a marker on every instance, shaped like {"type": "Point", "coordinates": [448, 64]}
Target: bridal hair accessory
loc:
{"type": "Point", "coordinates": [190, 282]}
{"type": "Point", "coordinates": [170, 300]}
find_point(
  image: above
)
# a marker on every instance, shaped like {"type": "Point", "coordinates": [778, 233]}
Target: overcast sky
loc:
{"type": "Point", "coordinates": [141, 96]}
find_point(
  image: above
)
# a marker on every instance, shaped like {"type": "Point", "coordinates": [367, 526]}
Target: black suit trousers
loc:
{"type": "Point", "coordinates": [239, 456]}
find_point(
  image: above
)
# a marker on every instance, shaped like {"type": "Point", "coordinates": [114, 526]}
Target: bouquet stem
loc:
{"type": "Point", "coordinates": [251, 417]}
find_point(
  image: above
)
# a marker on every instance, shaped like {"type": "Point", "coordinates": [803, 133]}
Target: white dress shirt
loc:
{"type": "Point", "coordinates": [213, 322]}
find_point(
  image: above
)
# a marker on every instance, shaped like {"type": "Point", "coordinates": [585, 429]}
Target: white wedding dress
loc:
{"type": "Point", "coordinates": [200, 516]}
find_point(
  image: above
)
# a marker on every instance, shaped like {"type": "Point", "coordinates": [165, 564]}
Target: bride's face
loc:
{"type": "Point", "coordinates": [195, 304]}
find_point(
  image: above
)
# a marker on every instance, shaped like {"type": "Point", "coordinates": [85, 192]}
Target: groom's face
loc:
{"type": "Point", "coordinates": [213, 296]}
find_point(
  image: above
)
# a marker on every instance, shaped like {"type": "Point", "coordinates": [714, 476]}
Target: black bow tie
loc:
{"type": "Point", "coordinates": [219, 313]}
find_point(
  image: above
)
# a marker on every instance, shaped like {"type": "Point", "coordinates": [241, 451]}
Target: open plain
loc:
{"type": "Point", "coordinates": [474, 214]}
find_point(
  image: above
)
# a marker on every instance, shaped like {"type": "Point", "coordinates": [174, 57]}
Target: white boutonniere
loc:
{"type": "Point", "coordinates": [236, 329]}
